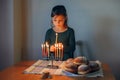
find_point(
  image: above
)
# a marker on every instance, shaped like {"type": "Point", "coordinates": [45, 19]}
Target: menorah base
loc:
{"type": "Point", "coordinates": [52, 66]}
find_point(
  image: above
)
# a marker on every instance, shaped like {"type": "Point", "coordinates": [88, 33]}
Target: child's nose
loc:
{"type": "Point", "coordinates": [58, 22]}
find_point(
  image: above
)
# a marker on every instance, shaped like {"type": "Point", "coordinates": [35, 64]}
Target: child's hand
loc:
{"type": "Point", "coordinates": [52, 48]}
{"type": "Point", "coordinates": [60, 45]}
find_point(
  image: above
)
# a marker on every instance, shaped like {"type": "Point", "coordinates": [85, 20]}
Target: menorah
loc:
{"type": "Point", "coordinates": [56, 55]}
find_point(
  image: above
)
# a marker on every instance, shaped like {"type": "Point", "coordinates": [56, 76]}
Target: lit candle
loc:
{"type": "Point", "coordinates": [46, 49]}
{"type": "Point", "coordinates": [59, 53]}
{"type": "Point", "coordinates": [57, 50]}
{"type": "Point", "coordinates": [42, 50]}
{"type": "Point", "coordinates": [47, 45]}
{"type": "Point", "coordinates": [56, 38]}
{"type": "Point", "coordinates": [62, 52]}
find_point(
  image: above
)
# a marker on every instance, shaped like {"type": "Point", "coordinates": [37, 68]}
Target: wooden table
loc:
{"type": "Point", "coordinates": [16, 73]}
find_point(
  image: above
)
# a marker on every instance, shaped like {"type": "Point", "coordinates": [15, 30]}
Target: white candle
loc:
{"type": "Point", "coordinates": [47, 50]}
{"type": "Point", "coordinates": [59, 53]}
{"type": "Point", "coordinates": [56, 38]}
{"type": "Point", "coordinates": [57, 50]}
{"type": "Point", "coordinates": [42, 50]}
{"type": "Point", "coordinates": [62, 52]}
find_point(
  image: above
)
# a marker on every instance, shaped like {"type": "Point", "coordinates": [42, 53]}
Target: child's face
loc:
{"type": "Point", "coordinates": [58, 20]}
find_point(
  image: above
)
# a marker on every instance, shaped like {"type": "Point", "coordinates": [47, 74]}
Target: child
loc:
{"type": "Point", "coordinates": [65, 34]}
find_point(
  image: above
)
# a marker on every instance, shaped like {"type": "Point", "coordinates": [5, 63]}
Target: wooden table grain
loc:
{"type": "Point", "coordinates": [15, 72]}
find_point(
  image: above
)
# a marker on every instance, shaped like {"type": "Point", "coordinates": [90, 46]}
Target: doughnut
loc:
{"type": "Point", "coordinates": [71, 67]}
{"type": "Point", "coordinates": [83, 69]}
{"type": "Point", "coordinates": [80, 60]}
{"type": "Point", "coordinates": [94, 66]}
{"type": "Point", "coordinates": [69, 60]}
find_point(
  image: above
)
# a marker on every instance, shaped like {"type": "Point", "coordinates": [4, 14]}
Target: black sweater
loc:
{"type": "Point", "coordinates": [67, 38]}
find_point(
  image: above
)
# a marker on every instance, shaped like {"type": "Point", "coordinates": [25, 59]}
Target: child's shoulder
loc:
{"type": "Point", "coordinates": [70, 29]}
{"type": "Point", "coordinates": [50, 30]}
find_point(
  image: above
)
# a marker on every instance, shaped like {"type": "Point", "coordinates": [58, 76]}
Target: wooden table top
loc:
{"type": "Point", "coordinates": [15, 72]}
